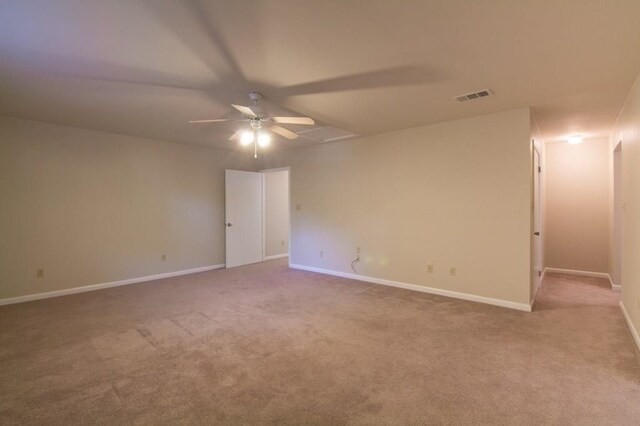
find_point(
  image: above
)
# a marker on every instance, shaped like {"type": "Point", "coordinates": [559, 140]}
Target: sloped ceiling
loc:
{"type": "Point", "coordinates": [146, 67]}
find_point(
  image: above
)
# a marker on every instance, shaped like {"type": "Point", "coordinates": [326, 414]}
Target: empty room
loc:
{"type": "Point", "coordinates": [328, 212]}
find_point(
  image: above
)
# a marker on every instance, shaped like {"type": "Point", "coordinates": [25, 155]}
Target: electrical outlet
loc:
{"type": "Point", "coordinates": [39, 273]}
{"type": "Point", "coordinates": [452, 271]}
{"type": "Point", "coordinates": [164, 257]}
{"type": "Point", "coordinates": [282, 243]}
{"type": "Point", "coordinates": [430, 269]}
{"type": "Point", "coordinates": [321, 253]}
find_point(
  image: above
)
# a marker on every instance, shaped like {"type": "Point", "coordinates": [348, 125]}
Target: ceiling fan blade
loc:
{"type": "Point", "coordinates": [294, 120]}
{"type": "Point", "coordinates": [245, 111]}
{"type": "Point", "coordinates": [236, 136]}
{"type": "Point", "coordinates": [283, 132]}
{"type": "Point", "coordinates": [219, 120]}
{"type": "Point", "coordinates": [387, 77]}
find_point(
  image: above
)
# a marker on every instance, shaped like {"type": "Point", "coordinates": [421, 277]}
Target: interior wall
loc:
{"type": "Point", "coordinates": [627, 130]}
{"type": "Point", "coordinates": [454, 194]}
{"type": "Point", "coordinates": [276, 212]}
{"type": "Point", "coordinates": [577, 203]}
{"type": "Point", "coordinates": [89, 207]}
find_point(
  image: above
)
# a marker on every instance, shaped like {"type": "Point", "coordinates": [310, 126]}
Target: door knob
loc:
{"type": "Point", "coordinates": [229, 224]}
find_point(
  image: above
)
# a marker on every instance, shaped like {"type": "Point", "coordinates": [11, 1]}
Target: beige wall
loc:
{"type": "Point", "coordinates": [627, 130]}
{"type": "Point", "coordinates": [577, 203]}
{"type": "Point", "coordinates": [451, 194]}
{"type": "Point", "coordinates": [91, 207]}
{"type": "Point", "coordinates": [276, 212]}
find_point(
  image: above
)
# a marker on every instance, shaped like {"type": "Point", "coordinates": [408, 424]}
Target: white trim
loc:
{"type": "Point", "coordinates": [277, 169]}
{"type": "Point", "coordinates": [616, 287]}
{"type": "Point", "coordinates": [264, 216]}
{"type": "Point", "coordinates": [465, 296]}
{"type": "Point", "coordinates": [584, 274]}
{"type": "Point", "coordinates": [577, 272]}
{"type": "Point", "coordinates": [93, 287]}
{"type": "Point", "coordinates": [634, 332]}
{"type": "Point", "coordinates": [276, 256]}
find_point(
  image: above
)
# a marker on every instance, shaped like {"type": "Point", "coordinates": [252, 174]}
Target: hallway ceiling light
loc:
{"type": "Point", "coordinates": [574, 140]}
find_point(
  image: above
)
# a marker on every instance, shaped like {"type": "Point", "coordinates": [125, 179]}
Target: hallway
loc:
{"type": "Point", "coordinates": [582, 328]}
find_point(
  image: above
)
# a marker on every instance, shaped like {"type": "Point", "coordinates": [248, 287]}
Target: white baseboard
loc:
{"type": "Point", "coordinates": [633, 330]}
{"type": "Point", "coordinates": [93, 287]}
{"type": "Point", "coordinates": [577, 272]}
{"type": "Point", "coordinates": [276, 256]}
{"type": "Point", "coordinates": [584, 274]}
{"type": "Point", "coordinates": [457, 295]}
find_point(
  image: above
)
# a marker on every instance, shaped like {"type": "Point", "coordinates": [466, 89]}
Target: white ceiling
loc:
{"type": "Point", "coordinates": [144, 68]}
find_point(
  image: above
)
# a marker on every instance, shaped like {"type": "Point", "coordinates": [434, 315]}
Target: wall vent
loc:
{"type": "Point", "coordinates": [475, 95]}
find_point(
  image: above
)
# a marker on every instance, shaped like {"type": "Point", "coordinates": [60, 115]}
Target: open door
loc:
{"type": "Point", "coordinates": [243, 204]}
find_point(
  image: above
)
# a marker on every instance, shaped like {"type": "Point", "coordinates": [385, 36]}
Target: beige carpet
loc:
{"type": "Point", "coordinates": [263, 344]}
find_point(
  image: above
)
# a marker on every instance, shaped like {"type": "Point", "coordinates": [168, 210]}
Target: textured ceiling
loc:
{"type": "Point", "coordinates": [144, 68]}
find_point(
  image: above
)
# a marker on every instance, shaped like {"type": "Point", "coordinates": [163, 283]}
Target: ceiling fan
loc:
{"type": "Point", "coordinates": [260, 124]}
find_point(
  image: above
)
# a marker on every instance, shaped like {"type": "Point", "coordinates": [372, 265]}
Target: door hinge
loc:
{"type": "Point", "coordinates": [539, 169]}
{"type": "Point", "coordinates": [539, 273]}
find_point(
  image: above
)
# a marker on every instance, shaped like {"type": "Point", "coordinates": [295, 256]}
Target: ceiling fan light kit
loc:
{"type": "Point", "coordinates": [264, 139]}
{"type": "Point", "coordinates": [246, 138]}
{"type": "Point", "coordinates": [260, 125]}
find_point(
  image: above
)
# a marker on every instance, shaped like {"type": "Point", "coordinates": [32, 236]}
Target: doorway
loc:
{"type": "Point", "coordinates": [276, 213]}
{"type": "Point", "coordinates": [618, 209]}
{"type": "Point", "coordinates": [256, 216]}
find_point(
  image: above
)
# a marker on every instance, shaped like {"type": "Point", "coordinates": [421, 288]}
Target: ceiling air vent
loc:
{"type": "Point", "coordinates": [475, 95]}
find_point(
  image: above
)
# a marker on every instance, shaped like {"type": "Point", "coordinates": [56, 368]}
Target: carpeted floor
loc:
{"type": "Point", "coordinates": [263, 344]}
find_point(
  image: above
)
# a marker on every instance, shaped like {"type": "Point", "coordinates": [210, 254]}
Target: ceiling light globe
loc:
{"type": "Point", "coordinates": [264, 139]}
{"type": "Point", "coordinates": [246, 138]}
{"type": "Point", "coordinates": [574, 140]}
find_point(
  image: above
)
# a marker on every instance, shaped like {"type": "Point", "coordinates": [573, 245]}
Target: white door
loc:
{"type": "Point", "coordinates": [243, 201]}
{"type": "Point", "coordinates": [537, 243]}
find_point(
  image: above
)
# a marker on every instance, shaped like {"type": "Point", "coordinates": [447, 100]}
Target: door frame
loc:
{"type": "Point", "coordinates": [617, 215]}
{"type": "Point", "coordinates": [264, 228]}
{"type": "Point", "coordinates": [538, 211]}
